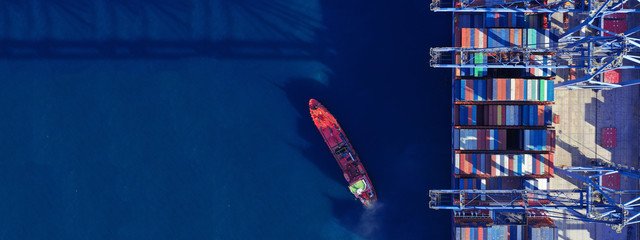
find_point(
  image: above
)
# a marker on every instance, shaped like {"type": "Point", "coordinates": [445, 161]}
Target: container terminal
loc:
{"type": "Point", "coordinates": [545, 119]}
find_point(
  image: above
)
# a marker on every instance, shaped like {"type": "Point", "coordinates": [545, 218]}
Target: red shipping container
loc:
{"type": "Point", "coordinates": [492, 115]}
{"type": "Point", "coordinates": [465, 37]}
{"type": "Point", "coordinates": [464, 165]}
{"type": "Point", "coordinates": [609, 137]}
{"type": "Point", "coordinates": [468, 95]}
{"type": "Point", "coordinates": [498, 114]}
{"type": "Point", "coordinates": [481, 139]}
{"type": "Point", "coordinates": [545, 162]}
{"type": "Point", "coordinates": [540, 115]}
{"type": "Point", "coordinates": [469, 158]}
{"type": "Point", "coordinates": [502, 139]}
{"type": "Point", "coordinates": [614, 25]}
{"type": "Point", "coordinates": [611, 181]}
{"type": "Point", "coordinates": [618, 16]}
{"type": "Point", "coordinates": [485, 114]}
{"type": "Point", "coordinates": [541, 164]}
{"type": "Point", "coordinates": [511, 35]}
{"type": "Point", "coordinates": [456, 114]}
{"type": "Point", "coordinates": [502, 91]}
{"type": "Point", "coordinates": [537, 158]}
{"type": "Point", "coordinates": [612, 76]}
{"type": "Point", "coordinates": [469, 164]}
{"type": "Point", "coordinates": [518, 88]}
{"type": "Point", "coordinates": [467, 233]}
{"type": "Point", "coordinates": [550, 165]}
{"type": "Point", "coordinates": [476, 38]}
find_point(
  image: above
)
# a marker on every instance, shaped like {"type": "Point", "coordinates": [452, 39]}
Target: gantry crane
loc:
{"type": "Point", "coordinates": [592, 203]}
{"type": "Point", "coordinates": [594, 54]}
{"type": "Point", "coordinates": [591, 7]}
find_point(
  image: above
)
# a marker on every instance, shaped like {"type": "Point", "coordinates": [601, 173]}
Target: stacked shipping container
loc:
{"type": "Point", "coordinates": [514, 232]}
{"type": "Point", "coordinates": [502, 136]}
{"type": "Point", "coordinates": [503, 165]}
{"type": "Point", "coordinates": [503, 89]}
{"type": "Point", "coordinates": [492, 30]}
{"type": "Point", "coordinates": [502, 115]}
{"type": "Point", "coordinates": [504, 139]}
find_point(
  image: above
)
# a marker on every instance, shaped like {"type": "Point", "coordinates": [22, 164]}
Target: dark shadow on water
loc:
{"type": "Point", "coordinates": [159, 49]}
{"type": "Point", "coordinates": [120, 29]}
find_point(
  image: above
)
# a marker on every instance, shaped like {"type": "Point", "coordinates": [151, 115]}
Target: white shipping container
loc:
{"type": "Point", "coordinates": [483, 186]}
{"type": "Point", "coordinates": [463, 139]}
{"type": "Point", "coordinates": [512, 95]}
{"type": "Point", "coordinates": [505, 163]}
{"type": "Point", "coordinates": [457, 164]}
{"type": "Point", "coordinates": [528, 165]}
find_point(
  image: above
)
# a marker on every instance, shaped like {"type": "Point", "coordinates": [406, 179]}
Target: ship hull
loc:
{"type": "Point", "coordinates": [341, 149]}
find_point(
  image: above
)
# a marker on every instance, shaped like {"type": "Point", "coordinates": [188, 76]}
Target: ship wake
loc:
{"type": "Point", "coordinates": [369, 220]}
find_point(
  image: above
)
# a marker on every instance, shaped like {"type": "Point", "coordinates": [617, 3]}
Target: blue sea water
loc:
{"type": "Point", "coordinates": [189, 119]}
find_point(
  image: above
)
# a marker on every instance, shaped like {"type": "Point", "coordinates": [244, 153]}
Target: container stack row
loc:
{"type": "Point", "coordinates": [502, 115]}
{"type": "Point", "coordinates": [502, 183]}
{"type": "Point", "coordinates": [502, 20]}
{"type": "Point", "coordinates": [502, 119]}
{"type": "Point", "coordinates": [504, 140]}
{"type": "Point", "coordinates": [505, 232]}
{"type": "Point", "coordinates": [507, 37]}
{"type": "Point", "coordinates": [503, 89]}
{"type": "Point", "coordinates": [503, 165]}
{"type": "Point", "coordinates": [479, 72]}
{"type": "Point", "coordinates": [482, 30]}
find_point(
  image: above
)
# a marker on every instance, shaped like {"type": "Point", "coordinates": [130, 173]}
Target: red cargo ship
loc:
{"type": "Point", "coordinates": [353, 170]}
